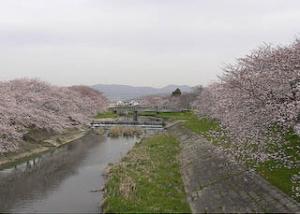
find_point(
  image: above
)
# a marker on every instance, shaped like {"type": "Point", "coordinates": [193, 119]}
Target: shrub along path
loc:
{"type": "Point", "coordinates": [215, 184]}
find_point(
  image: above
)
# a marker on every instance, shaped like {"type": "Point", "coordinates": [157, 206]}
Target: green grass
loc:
{"type": "Point", "coordinates": [192, 121]}
{"type": "Point", "coordinates": [278, 176]}
{"type": "Point", "coordinates": [271, 170]}
{"type": "Point", "coordinates": [276, 173]}
{"type": "Point", "coordinates": [293, 141]}
{"type": "Point", "coordinates": [105, 115]}
{"type": "Point", "coordinates": [148, 179]}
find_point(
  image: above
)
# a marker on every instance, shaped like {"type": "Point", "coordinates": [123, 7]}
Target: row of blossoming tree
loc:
{"type": "Point", "coordinates": [257, 101]}
{"type": "Point", "coordinates": [257, 94]}
{"type": "Point", "coordinates": [183, 101]}
{"type": "Point", "coordinates": [27, 104]}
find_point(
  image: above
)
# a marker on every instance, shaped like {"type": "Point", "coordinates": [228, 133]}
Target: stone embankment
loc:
{"type": "Point", "coordinates": [35, 146]}
{"type": "Point", "coordinates": [215, 184]}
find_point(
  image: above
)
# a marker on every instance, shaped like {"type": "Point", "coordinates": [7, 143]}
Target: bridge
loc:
{"type": "Point", "coordinates": [146, 125]}
{"type": "Point", "coordinates": [127, 109]}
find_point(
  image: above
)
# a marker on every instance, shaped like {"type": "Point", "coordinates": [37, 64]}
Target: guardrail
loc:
{"type": "Point", "coordinates": [147, 125]}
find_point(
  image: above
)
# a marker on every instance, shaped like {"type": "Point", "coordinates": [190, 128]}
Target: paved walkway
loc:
{"type": "Point", "coordinates": [214, 184]}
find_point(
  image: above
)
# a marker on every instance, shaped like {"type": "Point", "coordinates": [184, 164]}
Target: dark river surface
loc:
{"type": "Point", "coordinates": [63, 180]}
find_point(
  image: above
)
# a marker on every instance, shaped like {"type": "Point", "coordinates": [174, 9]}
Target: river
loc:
{"type": "Point", "coordinates": [64, 180]}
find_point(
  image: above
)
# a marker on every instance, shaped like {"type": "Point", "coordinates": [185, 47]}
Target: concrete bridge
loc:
{"type": "Point", "coordinates": [147, 125]}
{"type": "Point", "coordinates": [125, 110]}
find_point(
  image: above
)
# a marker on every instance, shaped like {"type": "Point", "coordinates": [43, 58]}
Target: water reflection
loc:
{"type": "Point", "coordinates": [61, 180]}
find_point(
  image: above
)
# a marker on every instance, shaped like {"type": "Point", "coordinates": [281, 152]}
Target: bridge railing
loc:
{"type": "Point", "coordinates": [128, 122]}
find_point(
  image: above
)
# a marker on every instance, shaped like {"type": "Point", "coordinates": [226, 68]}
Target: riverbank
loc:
{"type": "Point", "coordinates": [215, 183]}
{"type": "Point", "coordinates": [284, 177]}
{"type": "Point", "coordinates": [63, 180]}
{"type": "Point", "coordinates": [148, 179]}
{"type": "Point", "coordinates": [35, 146]}
{"type": "Point", "coordinates": [207, 174]}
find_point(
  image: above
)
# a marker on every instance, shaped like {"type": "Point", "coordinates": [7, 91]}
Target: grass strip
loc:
{"type": "Point", "coordinates": [105, 115]}
{"type": "Point", "coordinates": [148, 179]}
{"type": "Point", "coordinates": [273, 171]}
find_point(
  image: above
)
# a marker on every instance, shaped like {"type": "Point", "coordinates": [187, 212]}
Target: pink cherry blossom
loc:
{"type": "Point", "coordinates": [258, 92]}
{"type": "Point", "coordinates": [27, 104]}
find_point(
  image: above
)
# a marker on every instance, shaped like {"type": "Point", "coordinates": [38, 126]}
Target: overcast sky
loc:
{"type": "Point", "coordinates": [136, 42]}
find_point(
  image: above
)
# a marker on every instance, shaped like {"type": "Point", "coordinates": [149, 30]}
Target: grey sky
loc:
{"type": "Point", "coordinates": [137, 42]}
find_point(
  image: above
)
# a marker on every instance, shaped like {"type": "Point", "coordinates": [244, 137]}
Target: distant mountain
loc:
{"type": "Point", "coordinates": [126, 92]}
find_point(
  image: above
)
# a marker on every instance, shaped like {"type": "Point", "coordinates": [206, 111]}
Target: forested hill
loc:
{"type": "Point", "coordinates": [124, 92]}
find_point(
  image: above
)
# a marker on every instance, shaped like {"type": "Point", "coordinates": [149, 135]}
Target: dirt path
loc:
{"type": "Point", "coordinates": [215, 184]}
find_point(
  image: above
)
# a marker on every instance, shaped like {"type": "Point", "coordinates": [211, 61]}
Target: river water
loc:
{"type": "Point", "coordinates": [65, 180]}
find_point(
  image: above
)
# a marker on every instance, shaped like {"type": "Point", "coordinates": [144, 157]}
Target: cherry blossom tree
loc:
{"type": "Point", "coordinates": [26, 104]}
{"type": "Point", "coordinates": [184, 101]}
{"type": "Point", "coordinates": [256, 101]}
{"type": "Point", "coordinates": [258, 92]}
